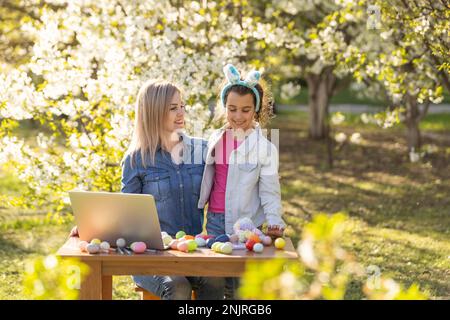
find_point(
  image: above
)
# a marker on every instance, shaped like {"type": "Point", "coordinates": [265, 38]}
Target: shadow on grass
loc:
{"type": "Point", "coordinates": [10, 248]}
{"type": "Point", "coordinates": [374, 183]}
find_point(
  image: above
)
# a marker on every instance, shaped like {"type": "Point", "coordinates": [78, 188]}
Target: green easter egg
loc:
{"type": "Point", "coordinates": [180, 234]}
{"type": "Point", "coordinates": [192, 245]}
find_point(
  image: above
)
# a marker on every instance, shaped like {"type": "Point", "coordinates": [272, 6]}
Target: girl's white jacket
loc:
{"type": "Point", "coordinates": [253, 186]}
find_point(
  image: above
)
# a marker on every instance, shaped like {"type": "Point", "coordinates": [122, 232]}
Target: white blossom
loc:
{"type": "Point", "coordinates": [289, 90]}
{"type": "Point", "coordinates": [340, 137]}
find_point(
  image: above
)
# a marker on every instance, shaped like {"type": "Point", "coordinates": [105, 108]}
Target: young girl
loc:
{"type": "Point", "coordinates": [241, 174]}
{"type": "Point", "coordinates": [240, 178]}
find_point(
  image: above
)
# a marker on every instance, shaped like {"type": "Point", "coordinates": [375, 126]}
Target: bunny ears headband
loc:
{"type": "Point", "coordinates": [234, 78]}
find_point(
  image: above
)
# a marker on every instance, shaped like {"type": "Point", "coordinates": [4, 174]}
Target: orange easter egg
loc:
{"type": "Point", "coordinates": [255, 238]}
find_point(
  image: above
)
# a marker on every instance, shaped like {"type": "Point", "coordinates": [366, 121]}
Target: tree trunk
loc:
{"type": "Point", "coordinates": [413, 136]}
{"type": "Point", "coordinates": [413, 117]}
{"type": "Point", "coordinates": [320, 90]}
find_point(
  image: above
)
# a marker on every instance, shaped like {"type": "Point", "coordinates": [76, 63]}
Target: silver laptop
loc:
{"type": "Point", "coordinates": [109, 216]}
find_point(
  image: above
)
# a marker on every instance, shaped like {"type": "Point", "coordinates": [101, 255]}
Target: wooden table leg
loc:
{"type": "Point", "coordinates": [91, 287]}
{"type": "Point", "coordinates": [107, 287]}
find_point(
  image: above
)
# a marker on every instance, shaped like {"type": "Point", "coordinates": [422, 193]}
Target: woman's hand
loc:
{"type": "Point", "coordinates": [275, 231]}
{"type": "Point", "coordinates": [74, 232]}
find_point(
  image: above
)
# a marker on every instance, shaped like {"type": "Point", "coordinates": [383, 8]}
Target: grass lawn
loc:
{"type": "Point", "coordinates": [400, 211]}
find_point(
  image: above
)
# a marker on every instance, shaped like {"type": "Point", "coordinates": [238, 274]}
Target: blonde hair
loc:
{"type": "Point", "coordinates": [265, 112]}
{"type": "Point", "coordinates": [152, 107]}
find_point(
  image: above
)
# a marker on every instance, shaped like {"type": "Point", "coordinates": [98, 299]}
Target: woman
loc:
{"type": "Point", "coordinates": [168, 164]}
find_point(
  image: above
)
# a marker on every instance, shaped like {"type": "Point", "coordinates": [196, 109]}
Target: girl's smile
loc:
{"type": "Point", "coordinates": [240, 110]}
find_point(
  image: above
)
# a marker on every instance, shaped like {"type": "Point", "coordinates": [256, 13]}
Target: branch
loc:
{"type": "Point", "coordinates": [14, 7]}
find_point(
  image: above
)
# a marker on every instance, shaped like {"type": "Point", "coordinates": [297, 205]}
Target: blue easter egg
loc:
{"type": "Point", "coordinates": [210, 242]}
{"type": "Point", "coordinates": [223, 238]}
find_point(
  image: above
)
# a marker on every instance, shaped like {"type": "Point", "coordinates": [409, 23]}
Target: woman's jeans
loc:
{"type": "Point", "coordinates": [180, 288]}
{"type": "Point", "coordinates": [215, 225]}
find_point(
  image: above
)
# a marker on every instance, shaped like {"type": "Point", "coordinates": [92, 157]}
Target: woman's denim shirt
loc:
{"type": "Point", "coordinates": [176, 188]}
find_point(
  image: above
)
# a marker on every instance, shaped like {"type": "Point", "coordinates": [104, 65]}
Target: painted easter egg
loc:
{"type": "Point", "coordinates": [215, 246]}
{"type": "Point", "coordinates": [82, 245]}
{"type": "Point", "coordinates": [93, 248]}
{"type": "Point", "coordinates": [200, 241]}
{"type": "Point", "coordinates": [182, 246]}
{"type": "Point", "coordinates": [163, 233]}
{"type": "Point", "coordinates": [249, 245]}
{"type": "Point", "coordinates": [226, 248]}
{"type": "Point", "coordinates": [255, 238]}
{"type": "Point", "coordinates": [174, 244]}
{"type": "Point", "coordinates": [204, 236]}
{"type": "Point", "coordinates": [210, 242]}
{"type": "Point", "coordinates": [192, 245]}
{"type": "Point", "coordinates": [180, 234]}
{"type": "Point", "coordinates": [267, 241]}
{"type": "Point", "coordinates": [280, 243]}
{"type": "Point", "coordinates": [139, 247]}
{"type": "Point", "coordinates": [223, 238]}
{"type": "Point", "coordinates": [166, 239]}
{"type": "Point", "coordinates": [96, 241]}
{"type": "Point", "coordinates": [258, 247]}
{"type": "Point", "coordinates": [121, 243]}
{"type": "Point", "coordinates": [105, 245]}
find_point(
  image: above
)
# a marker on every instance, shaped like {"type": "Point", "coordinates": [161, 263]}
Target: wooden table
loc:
{"type": "Point", "coordinates": [203, 262]}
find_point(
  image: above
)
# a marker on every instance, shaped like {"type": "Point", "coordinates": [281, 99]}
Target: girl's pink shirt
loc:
{"type": "Point", "coordinates": [223, 150]}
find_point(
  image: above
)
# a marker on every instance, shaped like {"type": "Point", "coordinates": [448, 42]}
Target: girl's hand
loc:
{"type": "Point", "coordinates": [275, 231]}
{"type": "Point", "coordinates": [74, 232]}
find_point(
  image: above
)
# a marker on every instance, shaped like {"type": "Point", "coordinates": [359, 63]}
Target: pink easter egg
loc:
{"type": "Point", "coordinates": [182, 246]}
{"type": "Point", "coordinates": [82, 245]}
{"type": "Point", "coordinates": [203, 236]}
{"type": "Point", "coordinates": [173, 244]}
{"type": "Point", "coordinates": [139, 247]}
{"type": "Point", "coordinates": [267, 241]}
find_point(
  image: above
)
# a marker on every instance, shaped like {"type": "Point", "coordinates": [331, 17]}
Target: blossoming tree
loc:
{"type": "Point", "coordinates": [88, 60]}
{"type": "Point", "coordinates": [309, 52]}
{"type": "Point", "coordinates": [404, 55]}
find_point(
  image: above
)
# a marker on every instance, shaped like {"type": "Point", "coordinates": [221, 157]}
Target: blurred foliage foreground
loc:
{"type": "Point", "coordinates": [324, 269]}
{"type": "Point", "coordinates": [51, 277]}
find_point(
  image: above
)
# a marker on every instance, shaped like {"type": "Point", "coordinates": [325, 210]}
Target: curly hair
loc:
{"type": "Point", "coordinates": [265, 112]}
